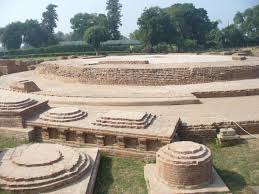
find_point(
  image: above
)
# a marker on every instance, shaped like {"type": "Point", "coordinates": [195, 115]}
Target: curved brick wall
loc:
{"type": "Point", "coordinates": [148, 76]}
{"type": "Point", "coordinates": [184, 165]}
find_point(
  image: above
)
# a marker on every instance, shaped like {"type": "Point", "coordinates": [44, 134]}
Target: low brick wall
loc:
{"type": "Point", "coordinates": [205, 133]}
{"type": "Point", "coordinates": [8, 66]}
{"type": "Point", "coordinates": [232, 93]}
{"type": "Point", "coordinates": [148, 76]}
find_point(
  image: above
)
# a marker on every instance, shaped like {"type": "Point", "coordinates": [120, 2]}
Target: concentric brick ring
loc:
{"type": "Point", "coordinates": [42, 171]}
{"type": "Point", "coordinates": [63, 114]}
{"type": "Point", "coordinates": [184, 164]}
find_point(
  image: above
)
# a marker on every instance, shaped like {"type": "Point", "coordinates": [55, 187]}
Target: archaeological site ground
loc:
{"type": "Point", "coordinates": [157, 124]}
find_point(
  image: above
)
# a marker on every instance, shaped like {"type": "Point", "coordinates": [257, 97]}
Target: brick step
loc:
{"type": "Point", "coordinates": [115, 123]}
{"type": "Point", "coordinates": [17, 105]}
{"type": "Point", "coordinates": [64, 118]}
{"type": "Point", "coordinates": [125, 122]}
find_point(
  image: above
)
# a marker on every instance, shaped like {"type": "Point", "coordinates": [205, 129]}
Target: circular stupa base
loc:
{"type": "Point", "coordinates": [63, 114]}
{"type": "Point", "coordinates": [38, 168]}
{"type": "Point", "coordinates": [11, 102]}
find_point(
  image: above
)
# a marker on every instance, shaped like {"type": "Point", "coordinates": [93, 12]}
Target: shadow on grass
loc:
{"type": "Point", "coordinates": [104, 178]}
{"type": "Point", "coordinates": [233, 180]}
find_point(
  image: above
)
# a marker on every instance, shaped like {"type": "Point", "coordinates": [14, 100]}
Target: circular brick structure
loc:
{"type": "Point", "coordinates": [39, 168]}
{"type": "Point", "coordinates": [63, 114]}
{"type": "Point", "coordinates": [11, 102]}
{"type": "Point", "coordinates": [184, 165]}
{"type": "Point", "coordinates": [152, 70]}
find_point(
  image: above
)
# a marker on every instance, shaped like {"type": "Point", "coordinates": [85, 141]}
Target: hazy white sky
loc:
{"type": "Point", "coordinates": [20, 10]}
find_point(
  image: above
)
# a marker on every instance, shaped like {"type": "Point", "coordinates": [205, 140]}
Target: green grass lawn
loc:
{"type": "Point", "coordinates": [120, 176]}
{"type": "Point", "coordinates": [10, 142]}
{"type": "Point", "coordinates": [237, 165]}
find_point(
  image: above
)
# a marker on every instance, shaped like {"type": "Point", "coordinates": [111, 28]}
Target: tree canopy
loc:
{"type": "Point", "coordinates": [95, 35]}
{"type": "Point", "coordinates": [50, 18]}
{"type": "Point", "coordinates": [82, 21]}
{"type": "Point", "coordinates": [113, 8]}
{"type": "Point", "coordinates": [33, 33]}
{"type": "Point", "coordinates": [190, 22]}
{"type": "Point", "coordinates": [12, 35]}
{"type": "Point", "coordinates": [155, 26]}
{"type": "Point", "coordinates": [248, 23]}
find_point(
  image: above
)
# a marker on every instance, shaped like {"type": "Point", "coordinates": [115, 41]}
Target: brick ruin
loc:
{"type": "Point", "coordinates": [14, 110]}
{"type": "Point", "coordinates": [37, 168]}
{"type": "Point", "coordinates": [141, 73]}
{"type": "Point", "coordinates": [183, 167]}
{"type": "Point", "coordinates": [137, 134]}
{"type": "Point", "coordinates": [8, 66]}
{"type": "Point", "coordinates": [116, 132]}
{"type": "Point", "coordinates": [26, 86]}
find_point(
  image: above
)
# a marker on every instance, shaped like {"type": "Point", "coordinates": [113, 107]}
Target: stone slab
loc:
{"type": "Point", "coordinates": [156, 187]}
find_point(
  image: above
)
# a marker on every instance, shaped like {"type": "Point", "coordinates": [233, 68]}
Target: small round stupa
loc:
{"type": "Point", "coordinates": [184, 164]}
{"type": "Point", "coordinates": [39, 168]}
{"type": "Point", "coordinates": [63, 114]}
{"type": "Point", "coordinates": [12, 103]}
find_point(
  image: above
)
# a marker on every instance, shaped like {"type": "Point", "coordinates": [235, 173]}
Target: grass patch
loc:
{"type": "Point", "coordinates": [238, 165]}
{"type": "Point", "coordinates": [10, 142]}
{"type": "Point", "coordinates": [119, 175]}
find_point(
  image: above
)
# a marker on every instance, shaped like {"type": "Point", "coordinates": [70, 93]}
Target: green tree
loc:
{"type": "Point", "coordinates": [114, 18]}
{"type": "Point", "coordinates": [191, 23]}
{"type": "Point", "coordinates": [11, 37]}
{"type": "Point", "coordinates": [214, 39]}
{"type": "Point", "coordinates": [60, 36]}
{"type": "Point", "coordinates": [155, 26]}
{"type": "Point", "coordinates": [33, 33]}
{"type": "Point", "coordinates": [248, 23]}
{"type": "Point", "coordinates": [232, 37]}
{"type": "Point", "coordinates": [82, 21]}
{"type": "Point", "coordinates": [95, 35]}
{"type": "Point", "coordinates": [50, 18]}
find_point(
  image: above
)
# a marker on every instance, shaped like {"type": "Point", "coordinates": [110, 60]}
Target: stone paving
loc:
{"type": "Point", "coordinates": [59, 88]}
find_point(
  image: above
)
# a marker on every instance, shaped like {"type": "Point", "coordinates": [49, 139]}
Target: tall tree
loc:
{"type": "Point", "coordinates": [11, 37]}
{"type": "Point", "coordinates": [33, 33]}
{"type": "Point", "coordinates": [155, 26]}
{"type": "Point", "coordinates": [232, 37]}
{"type": "Point", "coordinates": [248, 23]}
{"type": "Point", "coordinates": [50, 18]}
{"type": "Point", "coordinates": [114, 18]}
{"type": "Point", "coordinates": [95, 35]}
{"type": "Point", "coordinates": [82, 21]}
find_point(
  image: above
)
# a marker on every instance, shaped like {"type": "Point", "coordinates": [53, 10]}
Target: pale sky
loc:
{"type": "Point", "coordinates": [20, 10]}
